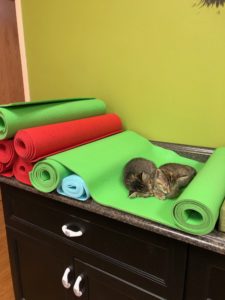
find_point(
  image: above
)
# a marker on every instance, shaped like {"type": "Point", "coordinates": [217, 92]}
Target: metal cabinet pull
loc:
{"type": "Point", "coordinates": [65, 280]}
{"type": "Point", "coordinates": [71, 233]}
{"type": "Point", "coordinates": [76, 288]}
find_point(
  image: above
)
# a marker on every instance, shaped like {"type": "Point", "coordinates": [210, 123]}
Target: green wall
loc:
{"type": "Point", "coordinates": [159, 64]}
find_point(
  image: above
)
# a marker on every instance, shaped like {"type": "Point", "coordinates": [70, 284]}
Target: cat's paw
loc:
{"type": "Point", "coordinates": [133, 195]}
{"type": "Point", "coordinates": [146, 195]}
{"type": "Point", "coordinates": [160, 196]}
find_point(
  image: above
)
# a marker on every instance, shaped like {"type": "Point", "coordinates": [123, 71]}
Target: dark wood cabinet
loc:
{"type": "Point", "coordinates": [114, 260]}
{"type": "Point", "coordinates": [40, 268]}
{"type": "Point", "coordinates": [205, 276]}
{"type": "Point", "coordinates": [101, 285]}
{"type": "Point", "coordinates": [106, 260]}
{"type": "Point", "coordinates": [37, 267]}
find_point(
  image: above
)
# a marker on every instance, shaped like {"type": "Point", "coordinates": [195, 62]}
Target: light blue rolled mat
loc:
{"type": "Point", "coordinates": [73, 186]}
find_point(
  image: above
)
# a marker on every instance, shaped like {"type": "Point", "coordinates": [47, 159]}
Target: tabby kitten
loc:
{"type": "Point", "coordinates": [139, 174]}
{"type": "Point", "coordinates": [170, 179]}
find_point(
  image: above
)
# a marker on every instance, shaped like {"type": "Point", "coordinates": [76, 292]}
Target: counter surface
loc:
{"type": "Point", "coordinates": [214, 241]}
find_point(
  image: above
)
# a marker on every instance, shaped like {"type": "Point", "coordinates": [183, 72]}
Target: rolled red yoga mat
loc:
{"type": "Point", "coordinates": [21, 170]}
{"type": "Point", "coordinates": [35, 143]}
{"type": "Point", "coordinates": [8, 157]}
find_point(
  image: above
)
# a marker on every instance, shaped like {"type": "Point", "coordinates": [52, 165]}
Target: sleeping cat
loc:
{"type": "Point", "coordinates": [143, 179]}
{"type": "Point", "coordinates": [139, 176]}
{"type": "Point", "coordinates": [170, 179]}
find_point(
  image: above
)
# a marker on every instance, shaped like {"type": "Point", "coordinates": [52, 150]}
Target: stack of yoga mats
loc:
{"type": "Point", "coordinates": [100, 164]}
{"type": "Point", "coordinates": [22, 115]}
{"type": "Point", "coordinates": [35, 143]}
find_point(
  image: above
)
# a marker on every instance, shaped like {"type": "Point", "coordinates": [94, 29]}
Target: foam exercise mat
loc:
{"type": "Point", "coordinates": [35, 143]}
{"type": "Point", "coordinates": [8, 157]}
{"type": "Point", "coordinates": [7, 151]}
{"type": "Point", "coordinates": [198, 207]}
{"type": "Point", "coordinates": [46, 177]}
{"type": "Point", "coordinates": [221, 226]}
{"type": "Point", "coordinates": [101, 164]}
{"type": "Point", "coordinates": [30, 114]}
{"type": "Point", "coordinates": [37, 102]}
{"type": "Point", "coordinates": [21, 170]}
{"type": "Point", "coordinates": [74, 187]}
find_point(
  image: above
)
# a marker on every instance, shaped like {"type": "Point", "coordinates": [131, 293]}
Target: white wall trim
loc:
{"type": "Point", "coordinates": [22, 47]}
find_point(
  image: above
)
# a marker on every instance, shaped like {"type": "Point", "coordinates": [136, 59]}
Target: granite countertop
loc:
{"type": "Point", "coordinates": [215, 241]}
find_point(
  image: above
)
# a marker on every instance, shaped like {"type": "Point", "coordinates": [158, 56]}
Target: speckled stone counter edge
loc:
{"type": "Point", "coordinates": [214, 241]}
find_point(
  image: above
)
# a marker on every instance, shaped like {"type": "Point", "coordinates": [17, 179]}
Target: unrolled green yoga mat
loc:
{"type": "Point", "coordinates": [101, 164]}
{"type": "Point", "coordinates": [14, 117]}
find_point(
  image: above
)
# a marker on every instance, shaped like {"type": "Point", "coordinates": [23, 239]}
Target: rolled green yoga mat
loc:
{"type": "Point", "coordinates": [50, 174]}
{"type": "Point", "coordinates": [101, 165]}
{"type": "Point", "coordinates": [221, 226]}
{"type": "Point", "coordinates": [198, 207]}
{"type": "Point", "coordinates": [30, 114]}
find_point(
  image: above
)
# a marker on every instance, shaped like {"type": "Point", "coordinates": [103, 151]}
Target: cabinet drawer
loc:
{"type": "Point", "coordinates": [100, 284]}
{"type": "Point", "coordinates": [158, 259]}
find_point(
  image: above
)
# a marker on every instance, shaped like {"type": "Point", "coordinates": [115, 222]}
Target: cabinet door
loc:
{"type": "Point", "coordinates": [205, 276]}
{"type": "Point", "coordinates": [96, 284]}
{"type": "Point", "coordinates": [154, 262]}
{"type": "Point", "coordinates": [37, 268]}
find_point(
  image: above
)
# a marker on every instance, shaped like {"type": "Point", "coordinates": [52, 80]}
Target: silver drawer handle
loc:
{"type": "Point", "coordinates": [71, 233]}
{"type": "Point", "coordinates": [76, 288]}
{"type": "Point", "coordinates": [65, 280]}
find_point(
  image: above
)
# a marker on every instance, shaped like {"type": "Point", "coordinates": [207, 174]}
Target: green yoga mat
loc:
{"type": "Point", "coordinates": [14, 117]}
{"type": "Point", "coordinates": [198, 207]}
{"type": "Point", "coordinates": [101, 164]}
{"type": "Point", "coordinates": [221, 225]}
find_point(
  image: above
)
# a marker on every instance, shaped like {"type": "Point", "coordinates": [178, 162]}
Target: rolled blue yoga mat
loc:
{"type": "Point", "coordinates": [73, 186]}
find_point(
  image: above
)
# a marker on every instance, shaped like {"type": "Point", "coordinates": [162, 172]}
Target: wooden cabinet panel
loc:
{"type": "Point", "coordinates": [101, 285]}
{"type": "Point", "coordinates": [37, 268]}
{"type": "Point", "coordinates": [205, 276]}
{"type": "Point", "coordinates": [157, 263]}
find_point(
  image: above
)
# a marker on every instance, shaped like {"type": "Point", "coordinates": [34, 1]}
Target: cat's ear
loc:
{"type": "Point", "coordinates": [159, 175]}
{"type": "Point", "coordinates": [145, 177]}
{"type": "Point", "coordinates": [132, 194]}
